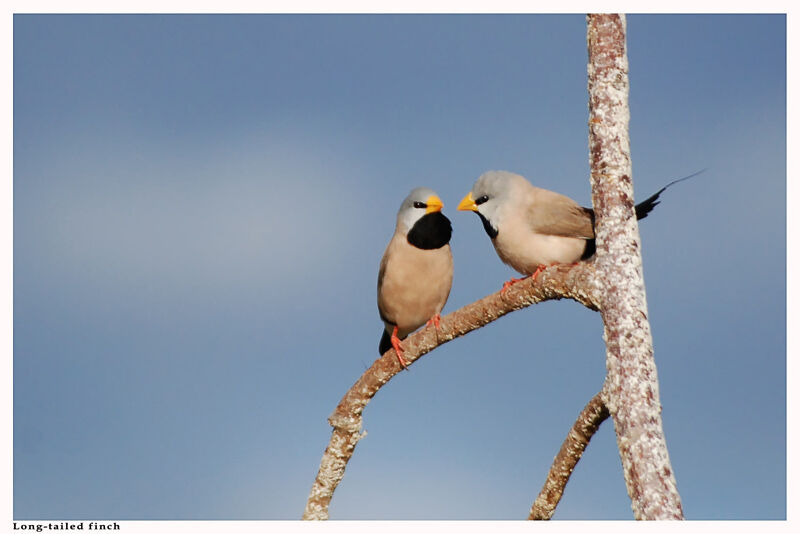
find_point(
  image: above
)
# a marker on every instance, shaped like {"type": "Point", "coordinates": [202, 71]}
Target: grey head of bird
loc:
{"type": "Point", "coordinates": [421, 219]}
{"type": "Point", "coordinates": [494, 194]}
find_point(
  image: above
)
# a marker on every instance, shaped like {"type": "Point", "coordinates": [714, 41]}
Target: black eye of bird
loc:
{"type": "Point", "coordinates": [420, 205]}
{"type": "Point", "coordinates": [481, 200]}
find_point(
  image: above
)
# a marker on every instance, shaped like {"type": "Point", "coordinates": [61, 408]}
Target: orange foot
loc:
{"type": "Point", "coordinates": [398, 349]}
{"type": "Point", "coordinates": [541, 268]}
{"type": "Point", "coordinates": [511, 282]}
{"type": "Point", "coordinates": [536, 273]}
{"type": "Point", "coordinates": [434, 320]}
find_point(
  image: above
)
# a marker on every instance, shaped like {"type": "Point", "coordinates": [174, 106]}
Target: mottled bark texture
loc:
{"type": "Point", "coordinates": [612, 282]}
{"type": "Point", "coordinates": [557, 282]}
{"type": "Point", "coordinates": [631, 388]}
{"type": "Point", "coordinates": [578, 438]}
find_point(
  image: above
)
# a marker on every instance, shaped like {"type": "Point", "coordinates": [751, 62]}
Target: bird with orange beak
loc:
{"type": "Point", "coordinates": [532, 228]}
{"type": "Point", "coordinates": [416, 271]}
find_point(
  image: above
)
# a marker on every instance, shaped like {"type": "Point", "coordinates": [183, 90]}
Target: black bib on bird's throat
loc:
{"type": "Point", "coordinates": [432, 230]}
{"type": "Point", "coordinates": [491, 231]}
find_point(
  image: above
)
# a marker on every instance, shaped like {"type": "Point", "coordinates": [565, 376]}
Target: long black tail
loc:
{"type": "Point", "coordinates": [646, 206]}
{"type": "Point", "coordinates": [643, 208]}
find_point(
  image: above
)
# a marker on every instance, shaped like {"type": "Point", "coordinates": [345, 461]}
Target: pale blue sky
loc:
{"type": "Point", "coordinates": [201, 204]}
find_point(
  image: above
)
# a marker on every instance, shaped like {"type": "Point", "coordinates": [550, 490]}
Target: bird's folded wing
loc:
{"type": "Point", "coordinates": [554, 214]}
{"type": "Point", "coordinates": [381, 275]}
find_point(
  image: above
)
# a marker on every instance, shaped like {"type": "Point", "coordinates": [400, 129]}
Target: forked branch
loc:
{"type": "Point", "coordinates": [612, 282]}
{"type": "Point", "coordinates": [557, 282]}
{"type": "Point", "coordinates": [631, 385]}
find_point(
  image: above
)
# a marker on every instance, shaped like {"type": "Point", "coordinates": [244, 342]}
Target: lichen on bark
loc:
{"type": "Point", "coordinates": [631, 388]}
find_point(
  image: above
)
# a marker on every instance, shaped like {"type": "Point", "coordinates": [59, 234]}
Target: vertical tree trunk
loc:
{"type": "Point", "coordinates": [631, 388]}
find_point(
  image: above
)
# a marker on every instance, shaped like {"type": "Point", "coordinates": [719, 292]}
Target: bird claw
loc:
{"type": "Point", "coordinates": [398, 349]}
{"type": "Point", "coordinates": [434, 320]}
{"type": "Point", "coordinates": [511, 282]}
{"type": "Point", "coordinates": [539, 269]}
{"type": "Point", "coordinates": [536, 273]}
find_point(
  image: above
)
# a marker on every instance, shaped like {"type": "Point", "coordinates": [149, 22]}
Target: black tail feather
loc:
{"type": "Point", "coordinates": [590, 249]}
{"type": "Point", "coordinates": [643, 208]}
{"type": "Point", "coordinates": [386, 342]}
{"type": "Point", "coordinates": [646, 206]}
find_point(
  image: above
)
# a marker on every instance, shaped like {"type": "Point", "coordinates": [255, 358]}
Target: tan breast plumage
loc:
{"type": "Point", "coordinates": [413, 284]}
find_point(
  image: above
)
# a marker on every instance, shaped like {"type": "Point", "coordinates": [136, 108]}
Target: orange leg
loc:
{"type": "Point", "coordinates": [539, 269]}
{"type": "Point", "coordinates": [434, 320]}
{"type": "Point", "coordinates": [398, 349]}
{"type": "Point", "coordinates": [536, 273]}
{"type": "Point", "coordinates": [511, 282]}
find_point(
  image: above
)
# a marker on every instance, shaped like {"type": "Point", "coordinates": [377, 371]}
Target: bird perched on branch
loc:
{"type": "Point", "coordinates": [532, 228]}
{"type": "Point", "coordinates": [416, 271]}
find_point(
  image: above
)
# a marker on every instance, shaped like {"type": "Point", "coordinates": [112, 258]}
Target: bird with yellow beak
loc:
{"type": "Point", "coordinates": [532, 228]}
{"type": "Point", "coordinates": [416, 271]}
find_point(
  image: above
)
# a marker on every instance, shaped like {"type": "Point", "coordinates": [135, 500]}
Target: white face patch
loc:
{"type": "Point", "coordinates": [501, 189]}
{"type": "Point", "coordinates": [408, 214]}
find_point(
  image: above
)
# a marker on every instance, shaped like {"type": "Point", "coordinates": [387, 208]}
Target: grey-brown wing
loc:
{"type": "Point", "coordinates": [381, 274]}
{"type": "Point", "coordinates": [555, 214]}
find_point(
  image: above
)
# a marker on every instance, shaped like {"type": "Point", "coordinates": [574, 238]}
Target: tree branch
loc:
{"type": "Point", "coordinates": [593, 414]}
{"type": "Point", "coordinates": [557, 282]}
{"type": "Point", "coordinates": [631, 387]}
{"type": "Point", "coordinates": [612, 282]}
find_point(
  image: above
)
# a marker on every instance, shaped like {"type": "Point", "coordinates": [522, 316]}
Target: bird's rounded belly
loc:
{"type": "Point", "coordinates": [416, 296]}
{"type": "Point", "coordinates": [526, 253]}
{"type": "Point", "coordinates": [413, 313]}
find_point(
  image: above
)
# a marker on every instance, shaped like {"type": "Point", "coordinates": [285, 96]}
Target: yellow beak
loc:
{"type": "Point", "coordinates": [434, 204]}
{"type": "Point", "coordinates": [468, 203]}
